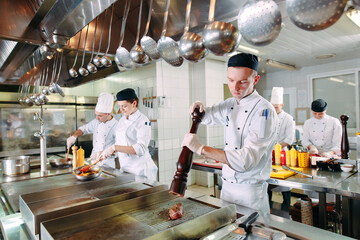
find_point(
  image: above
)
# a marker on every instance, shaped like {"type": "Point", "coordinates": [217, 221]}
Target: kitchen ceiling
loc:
{"type": "Point", "coordinates": [22, 34]}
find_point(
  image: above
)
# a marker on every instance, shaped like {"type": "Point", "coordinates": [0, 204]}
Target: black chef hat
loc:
{"type": "Point", "coordinates": [319, 105]}
{"type": "Point", "coordinates": [126, 94]}
{"type": "Point", "coordinates": [244, 60]}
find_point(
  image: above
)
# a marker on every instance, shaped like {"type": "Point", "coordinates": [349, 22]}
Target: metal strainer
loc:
{"type": "Point", "coordinates": [259, 22]}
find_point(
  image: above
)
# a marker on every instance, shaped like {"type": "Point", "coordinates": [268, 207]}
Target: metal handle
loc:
{"type": "Point", "coordinates": [187, 18]}
{"type": "Point", "coordinates": [148, 19]}
{"type": "Point", "coordinates": [139, 24]}
{"type": "Point", "coordinates": [212, 10]}
{"type": "Point", "coordinates": [290, 169]}
{"type": "Point", "coordinates": [123, 24]}
{"type": "Point", "coordinates": [165, 18]}
{"type": "Point", "coordinates": [245, 225]}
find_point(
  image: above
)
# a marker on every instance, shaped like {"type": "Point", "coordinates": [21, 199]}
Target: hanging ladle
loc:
{"type": "Point", "coordinates": [122, 54]}
{"type": "Point", "coordinates": [21, 92]}
{"type": "Point", "coordinates": [53, 74]}
{"type": "Point", "coordinates": [220, 37]}
{"type": "Point", "coordinates": [83, 71]}
{"type": "Point", "coordinates": [55, 83]}
{"type": "Point", "coordinates": [168, 48]}
{"type": "Point", "coordinates": [137, 54]}
{"type": "Point", "coordinates": [72, 71]}
{"type": "Point", "coordinates": [97, 58]}
{"type": "Point", "coordinates": [147, 43]}
{"type": "Point", "coordinates": [105, 60]}
{"type": "Point", "coordinates": [191, 45]}
{"type": "Point", "coordinates": [45, 91]}
{"type": "Point", "coordinates": [90, 66]}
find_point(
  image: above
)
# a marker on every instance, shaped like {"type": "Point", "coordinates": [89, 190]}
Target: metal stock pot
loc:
{"type": "Point", "coordinates": [15, 165]}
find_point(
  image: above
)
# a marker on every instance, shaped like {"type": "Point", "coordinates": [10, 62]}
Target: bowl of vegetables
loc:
{"type": "Point", "coordinates": [85, 173]}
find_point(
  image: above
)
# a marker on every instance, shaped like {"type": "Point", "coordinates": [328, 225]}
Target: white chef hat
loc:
{"type": "Point", "coordinates": [277, 95]}
{"type": "Point", "coordinates": [104, 103]}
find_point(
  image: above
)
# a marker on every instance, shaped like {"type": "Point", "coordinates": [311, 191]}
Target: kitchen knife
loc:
{"type": "Point", "coordinates": [241, 232]}
{"type": "Point", "coordinates": [301, 173]}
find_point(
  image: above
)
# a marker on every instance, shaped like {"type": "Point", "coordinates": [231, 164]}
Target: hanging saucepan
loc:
{"type": "Point", "coordinates": [90, 66]}
{"type": "Point", "coordinates": [97, 58]}
{"type": "Point", "coordinates": [259, 22]}
{"type": "Point", "coordinates": [83, 71]}
{"type": "Point", "coordinates": [168, 48]}
{"type": "Point", "coordinates": [55, 83]}
{"type": "Point", "coordinates": [105, 60]}
{"type": "Point", "coordinates": [122, 53]}
{"type": "Point", "coordinates": [220, 37]}
{"type": "Point", "coordinates": [147, 43]}
{"type": "Point", "coordinates": [191, 45]}
{"type": "Point", "coordinates": [316, 15]}
{"type": "Point", "coordinates": [137, 54]}
{"type": "Point", "coordinates": [72, 71]}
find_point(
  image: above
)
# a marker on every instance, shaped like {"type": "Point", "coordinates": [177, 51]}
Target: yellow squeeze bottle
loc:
{"type": "Point", "coordinates": [80, 156]}
{"type": "Point", "coordinates": [277, 150]}
{"type": "Point", "coordinates": [288, 158]}
{"type": "Point", "coordinates": [293, 157]}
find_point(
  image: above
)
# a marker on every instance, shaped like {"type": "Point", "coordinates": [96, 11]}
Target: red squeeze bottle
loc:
{"type": "Point", "coordinates": [283, 157]}
{"type": "Point", "coordinates": [273, 157]}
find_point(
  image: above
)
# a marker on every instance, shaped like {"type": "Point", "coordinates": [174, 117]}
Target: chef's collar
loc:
{"type": "Point", "coordinates": [249, 97]}
{"type": "Point", "coordinates": [134, 116]}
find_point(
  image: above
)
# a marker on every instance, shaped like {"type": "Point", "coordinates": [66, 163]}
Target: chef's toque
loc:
{"type": "Point", "coordinates": [105, 103]}
{"type": "Point", "coordinates": [277, 95]}
{"type": "Point", "coordinates": [319, 105]}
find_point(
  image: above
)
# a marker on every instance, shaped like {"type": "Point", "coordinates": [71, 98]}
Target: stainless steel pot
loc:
{"type": "Point", "coordinates": [15, 165]}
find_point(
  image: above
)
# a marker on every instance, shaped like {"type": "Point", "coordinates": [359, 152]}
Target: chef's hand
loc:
{"type": "Point", "coordinates": [94, 156]}
{"type": "Point", "coordinates": [108, 152]}
{"type": "Point", "coordinates": [329, 154]}
{"type": "Point", "coordinates": [70, 141]}
{"type": "Point", "coordinates": [196, 104]}
{"type": "Point", "coordinates": [313, 150]}
{"type": "Point", "coordinates": [192, 142]}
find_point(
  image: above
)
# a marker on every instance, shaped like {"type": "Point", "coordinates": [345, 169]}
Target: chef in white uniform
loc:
{"type": "Point", "coordinates": [322, 133]}
{"type": "Point", "coordinates": [285, 134]}
{"type": "Point", "coordinates": [132, 138]}
{"type": "Point", "coordinates": [103, 130]}
{"type": "Point", "coordinates": [250, 122]}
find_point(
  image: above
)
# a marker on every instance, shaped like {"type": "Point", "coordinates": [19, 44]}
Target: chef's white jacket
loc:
{"type": "Point", "coordinates": [249, 140]}
{"type": "Point", "coordinates": [324, 134]}
{"type": "Point", "coordinates": [103, 137]}
{"type": "Point", "coordinates": [136, 132]}
{"type": "Point", "coordinates": [285, 129]}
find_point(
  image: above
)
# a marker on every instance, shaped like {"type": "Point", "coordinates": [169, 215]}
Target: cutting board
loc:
{"type": "Point", "coordinates": [282, 173]}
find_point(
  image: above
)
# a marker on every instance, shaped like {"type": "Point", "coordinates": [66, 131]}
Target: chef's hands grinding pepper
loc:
{"type": "Point", "coordinates": [196, 104]}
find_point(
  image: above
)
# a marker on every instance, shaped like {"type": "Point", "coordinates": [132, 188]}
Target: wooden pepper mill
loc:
{"type": "Point", "coordinates": [179, 183]}
{"type": "Point", "coordinates": [344, 138]}
{"type": "Point", "coordinates": [75, 160]}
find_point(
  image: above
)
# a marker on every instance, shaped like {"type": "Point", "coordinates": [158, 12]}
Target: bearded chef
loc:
{"type": "Point", "coordinates": [102, 128]}
{"type": "Point", "coordinates": [285, 134]}
{"type": "Point", "coordinates": [322, 133]}
{"type": "Point", "coordinates": [132, 138]}
{"type": "Point", "coordinates": [250, 123]}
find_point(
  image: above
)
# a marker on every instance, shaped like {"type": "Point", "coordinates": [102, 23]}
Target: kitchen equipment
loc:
{"type": "Point", "coordinates": [83, 71]}
{"type": "Point", "coordinates": [67, 153]}
{"type": "Point", "coordinates": [191, 45]}
{"type": "Point", "coordinates": [168, 48]}
{"type": "Point", "coordinates": [105, 60]}
{"type": "Point", "coordinates": [315, 15]}
{"type": "Point", "coordinates": [15, 165]}
{"type": "Point", "coordinates": [53, 74]}
{"type": "Point", "coordinates": [86, 168]}
{"type": "Point", "coordinates": [45, 91]}
{"type": "Point", "coordinates": [259, 22]}
{"type": "Point", "coordinates": [329, 165]}
{"type": "Point", "coordinates": [220, 37]}
{"type": "Point", "coordinates": [345, 147]}
{"type": "Point", "coordinates": [59, 162]}
{"type": "Point", "coordinates": [56, 86]}
{"type": "Point", "coordinates": [280, 173]}
{"type": "Point", "coordinates": [147, 43]}
{"type": "Point", "coordinates": [301, 173]}
{"type": "Point", "coordinates": [179, 183]}
{"type": "Point", "coordinates": [122, 53]}
{"type": "Point", "coordinates": [42, 97]}
{"type": "Point", "coordinates": [137, 54]}
{"type": "Point", "coordinates": [96, 169]}
{"type": "Point", "coordinates": [303, 157]}
{"type": "Point", "coordinates": [90, 66]}
{"type": "Point", "coordinates": [72, 71]}
{"type": "Point", "coordinates": [345, 167]}
{"type": "Point", "coordinates": [97, 58]}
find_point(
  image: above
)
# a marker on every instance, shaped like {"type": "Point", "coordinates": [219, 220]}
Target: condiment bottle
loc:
{"type": "Point", "coordinates": [80, 156]}
{"type": "Point", "coordinates": [74, 161]}
{"type": "Point", "coordinates": [303, 157]}
{"type": "Point", "coordinates": [283, 157]}
{"type": "Point", "coordinates": [277, 149]}
{"type": "Point", "coordinates": [293, 157]}
{"type": "Point", "coordinates": [288, 158]}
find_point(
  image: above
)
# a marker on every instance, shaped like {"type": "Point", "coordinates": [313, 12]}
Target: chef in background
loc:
{"type": "Point", "coordinates": [132, 138]}
{"type": "Point", "coordinates": [102, 128]}
{"type": "Point", "coordinates": [322, 133]}
{"type": "Point", "coordinates": [285, 134]}
{"type": "Point", "coordinates": [250, 122]}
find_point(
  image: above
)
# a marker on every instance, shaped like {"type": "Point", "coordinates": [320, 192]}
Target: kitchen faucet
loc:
{"type": "Point", "coordinates": [41, 134]}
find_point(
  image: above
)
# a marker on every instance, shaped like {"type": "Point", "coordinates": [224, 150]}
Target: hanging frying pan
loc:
{"type": "Point", "coordinates": [259, 22]}
{"type": "Point", "coordinates": [316, 15]}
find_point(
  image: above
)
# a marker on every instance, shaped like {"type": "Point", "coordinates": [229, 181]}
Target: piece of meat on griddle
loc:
{"type": "Point", "coordinates": [176, 211]}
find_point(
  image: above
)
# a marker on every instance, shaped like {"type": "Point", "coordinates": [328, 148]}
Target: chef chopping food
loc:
{"type": "Point", "coordinates": [322, 133]}
{"type": "Point", "coordinates": [250, 122]}
{"type": "Point", "coordinates": [132, 138]}
{"type": "Point", "coordinates": [102, 128]}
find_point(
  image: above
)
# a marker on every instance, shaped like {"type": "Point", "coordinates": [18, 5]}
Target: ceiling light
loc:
{"type": "Point", "coordinates": [280, 65]}
{"type": "Point", "coordinates": [354, 15]}
{"type": "Point", "coordinates": [248, 50]}
{"type": "Point", "coordinates": [325, 56]}
{"type": "Point", "coordinates": [334, 79]}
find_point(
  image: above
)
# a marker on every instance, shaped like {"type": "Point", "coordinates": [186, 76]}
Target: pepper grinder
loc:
{"type": "Point", "coordinates": [344, 138]}
{"type": "Point", "coordinates": [75, 160]}
{"type": "Point", "coordinates": [179, 183]}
